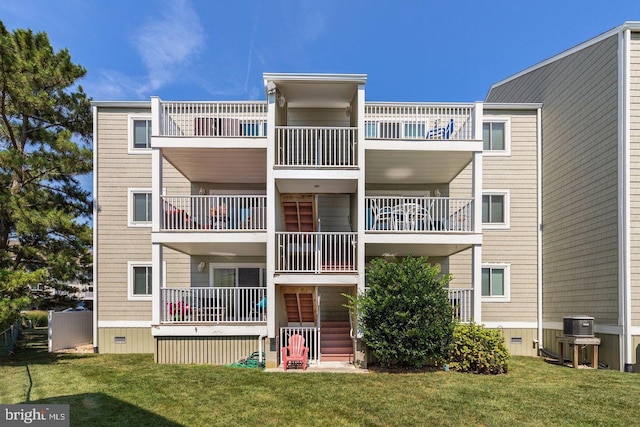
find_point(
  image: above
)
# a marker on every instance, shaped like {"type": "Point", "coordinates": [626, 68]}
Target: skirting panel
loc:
{"type": "Point", "coordinates": [520, 341]}
{"type": "Point", "coordinates": [125, 340]}
{"type": "Point", "coordinates": [608, 353]}
{"type": "Point", "coordinates": [204, 350]}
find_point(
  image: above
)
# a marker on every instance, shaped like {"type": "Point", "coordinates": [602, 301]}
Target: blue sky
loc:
{"type": "Point", "coordinates": [212, 50]}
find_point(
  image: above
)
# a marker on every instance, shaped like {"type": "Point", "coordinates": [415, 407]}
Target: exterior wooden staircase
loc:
{"type": "Point", "coordinates": [299, 307]}
{"type": "Point", "coordinates": [335, 342]}
{"type": "Point", "coordinates": [299, 215]}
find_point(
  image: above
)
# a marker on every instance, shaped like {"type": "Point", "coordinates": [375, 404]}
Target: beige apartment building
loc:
{"type": "Point", "coordinates": [221, 228]}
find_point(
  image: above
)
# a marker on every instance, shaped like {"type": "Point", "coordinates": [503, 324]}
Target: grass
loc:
{"type": "Point", "coordinates": [124, 390]}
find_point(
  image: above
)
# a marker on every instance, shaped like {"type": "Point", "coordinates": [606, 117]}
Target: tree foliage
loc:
{"type": "Point", "coordinates": [45, 129]}
{"type": "Point", "coordinates": [405, 316]}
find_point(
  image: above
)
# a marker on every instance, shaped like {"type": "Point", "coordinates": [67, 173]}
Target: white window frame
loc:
{"type": "Point", "coordinates": [507, 283]}
{"type": "Point", "coordinates": [507, 136]}
{"type": "Point", "coordinates": [131, 206]}
{"type": "Point", "coordinates": [130, 129]}
{"type": "Point", "coordinates": [236, 266]}
{"type": "Point", "coordinates": [507, 209]}
{"type": "Point", "coordinates": [130, 265]}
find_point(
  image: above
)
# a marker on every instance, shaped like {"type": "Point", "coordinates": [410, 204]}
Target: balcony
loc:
{"type": "Point", "coordinates": [322, 252]}
{"type": "Point", "coordinates": [419, 122]}
{"type": "Point", "coordinates": [402, 214]}
{"type": "Point", "coordinates": [214, 213]}
{"type": "Point", "coordinates": [316, 147]}
{"type": "Point", "coordinates": [212, 305]}
{"type": "Point", "coordinates": [213, 119]}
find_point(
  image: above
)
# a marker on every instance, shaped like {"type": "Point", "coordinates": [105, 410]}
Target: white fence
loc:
{"type": "Point", "coordinates": [316, 146]}
{"type": "Point", "coordinates": [214, 213]}
{"type": "Point", "coordinates": [217, 305]}
{"type": "Point", "coordinates": [68, 329]}
{"type": "Point", "coordinates": [213, 119]}
{"type": "Point", "coordinates": [418, 121]}
{"type": "Point", "coordinates": [419, 214]}
{"type": "Point", "coordinates": [323, 252]}
{"type": "Point", "coordinates": [311, 336]}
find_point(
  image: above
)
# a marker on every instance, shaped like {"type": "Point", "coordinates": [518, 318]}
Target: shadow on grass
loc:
{"type": "Point", "coordinates": [32, 349]}
{"type": "Point", "coordinates": [99, 409]}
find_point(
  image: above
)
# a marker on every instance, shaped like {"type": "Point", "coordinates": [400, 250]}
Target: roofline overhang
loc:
{"type": "Point", "coordinates": [512, 106]}
{"type": "Point", "coordinates": [122, 104]}
{"type": "Point", "coordinates": [314, 78]}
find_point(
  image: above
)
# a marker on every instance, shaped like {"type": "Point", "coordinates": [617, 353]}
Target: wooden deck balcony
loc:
{"type": "Point", "coordinates": [321, 252]}
{"type": "Point", "coordinates": [402, 214]}
{"type": "Point", "coordinates": [419, 121]}
{"type": "Point", "coordinates": [212, 305]}
{"type": "Point", "coordinates": [214, 213]}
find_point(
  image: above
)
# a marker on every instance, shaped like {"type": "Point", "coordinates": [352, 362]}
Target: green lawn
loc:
{"type": "Point", "coordinates": [130, 390]}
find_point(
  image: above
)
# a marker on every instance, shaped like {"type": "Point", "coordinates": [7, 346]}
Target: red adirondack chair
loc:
{"type": "Point", "coordinates": [295, 352]}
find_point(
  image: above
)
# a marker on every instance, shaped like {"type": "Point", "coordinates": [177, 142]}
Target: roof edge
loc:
{"type": "Point", "coordinates": [315, 77]}
{"type": "Point", "coordinates": [122, 104]}
{"type": "Point", "coordinates": [512, 105]}
{"type": "Point", "coordinates": [628, 25]}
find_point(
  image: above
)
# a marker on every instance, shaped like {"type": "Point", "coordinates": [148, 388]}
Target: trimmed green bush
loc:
{"type": "Point", "coordinates": [405, 317]}
{"type": "Point", "coordinates": [38, 318]}
{"type": "Point", "coordinates": [478, 349]}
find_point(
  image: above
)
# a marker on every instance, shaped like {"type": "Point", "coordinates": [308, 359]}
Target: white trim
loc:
{"type": "Point", "coordinates": [633, 25]}
{"type": "Point", "coordinates": [124, 324]}
{"type": "Point", "coordinates": [130, 265]}
{"type": "Point", "coordinates": [507, 136]}
{"type": "Point", "coordinates": [507, 282]}
{"type": "Point", "coordinates": [539, 222]}
{"type": "Point", "coordinates": [207, 330]}
{"type": "Point", "coordinates": [130, 130]}
{"type": "Point", "coordinates": [131, 207]}
{"type": "Point", "coordinates": [512, 106]}
{"type": "Point", "coordinates": [507, 210]}
{"type": "Point", "coordinates": [510, 325]}
{"type": "Point", "coordinates": [122, 104]}
{"type": "Point", "coordinates": [95, 227]}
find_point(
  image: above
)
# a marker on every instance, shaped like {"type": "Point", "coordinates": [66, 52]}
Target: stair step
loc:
{"type": "Point", "coordinates": [336, 350]}
{"type": "Point", "coordinates": [336, 357]}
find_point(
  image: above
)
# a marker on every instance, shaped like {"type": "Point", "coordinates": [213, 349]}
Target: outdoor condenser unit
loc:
{"type": "Point", "coordinates": [577, 326]}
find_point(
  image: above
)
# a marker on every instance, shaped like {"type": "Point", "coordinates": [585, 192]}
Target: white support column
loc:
{"type": "Point", "coordinates": [476, 280]}
{"type": "Point", "coordinates": [157, 276]}
{"type": "Point", "coordinates": [476, 188]}
{"type": "Point", "coordinates": [361, 205]}
{"type": "Point", "coordinates": [271, 216]}
{"type": "Point", "coordinates": [156, 189]}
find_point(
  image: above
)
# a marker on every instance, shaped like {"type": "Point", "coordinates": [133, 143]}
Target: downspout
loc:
{"type": "Point", "coordinates": [95, 229]}
{"type": "Point", "coordinates": [540, 225]}
{"type": "Point", "coordinates": [624, 193]}
{"type": "Point", "coordinates": [260, 340]}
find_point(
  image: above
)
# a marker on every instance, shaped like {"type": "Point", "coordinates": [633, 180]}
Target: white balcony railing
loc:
{"type": "Point", "coordinates": [460, 300]}
{"type": "Point", "coordinates": [212, 305]}
{"type": "Point", "coordinates": [214, 213]}
{"type": "Point", "coordinates": [311, 336]}
{"type": "Point", "coordinates": [213, 119]}
{"type": "Point", "coordinates": [418, 214]}
{"type": "Point", "coordinates": [419, 121]}
{"type": "Point", "coordinates": [316, 146]}
{"type": "Point", "coordinates": [325, 252]}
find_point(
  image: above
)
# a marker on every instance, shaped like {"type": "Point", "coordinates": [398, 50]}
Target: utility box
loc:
{"type": "Point", "coordinates": [577, 326]}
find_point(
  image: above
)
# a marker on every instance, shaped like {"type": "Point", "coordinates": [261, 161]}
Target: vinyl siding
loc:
{"type": "Point", "coordinates": [526, 347]}
{"type": "Point", "coordinates": [205, 350]}
{"type": "Point", "coordinates": [516, 246]}
{"type": "Point", "coordinates": [634, 143]}
{"type": "Point", "coordinates": [580, 159]}
{"type": "Point", "coordinates": [117, 242]}
{"type": "Point", "coordinates": [138, 340]}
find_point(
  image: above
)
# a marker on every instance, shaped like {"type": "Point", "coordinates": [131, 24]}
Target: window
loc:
{"type": "Point", "coordinates": [414, 130]}
{"type": "Point", "coordinates": [495, 282]}
{"type": "Point", "coordinates": [370, 129]}
{"type": "Point", "coordinates": [140, 282]}
{"type": "Point", "coordinates": [140, 202]}
{"type": "Point", "coordinates": [496, 136]}
{"type": "Point", "coordinates": [139, 134]}
{"type": "Point", "coordinates": [232, 276]}
{"type": "Point", "coordinates": [495, 209]}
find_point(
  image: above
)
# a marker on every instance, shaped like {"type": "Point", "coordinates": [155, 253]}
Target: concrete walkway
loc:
{"type": "Point", "coordinates": [333, 367]}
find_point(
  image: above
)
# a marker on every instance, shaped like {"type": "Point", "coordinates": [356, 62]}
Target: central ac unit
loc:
{"type": "Point", "coordinates": [577, 326]}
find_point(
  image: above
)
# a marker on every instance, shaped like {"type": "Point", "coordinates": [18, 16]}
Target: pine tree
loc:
{"type": "Point", "coordinates": [45, 131]}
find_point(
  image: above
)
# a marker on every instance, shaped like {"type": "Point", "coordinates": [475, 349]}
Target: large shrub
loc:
{"type": "Point", "coordinates": [478, 349]}
{"type": "Point", "coordinates": [405, 316]}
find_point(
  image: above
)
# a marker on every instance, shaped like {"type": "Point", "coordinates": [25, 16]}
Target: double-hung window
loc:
{"type": "Point", "coordinates": [495, 209]}
{"type": "Point", "coordinates": [139, 134]}
{"type": "Point", "coordinates": [140, 203]}
{"type": "Point", "coordinates": [140, 283]}
{"type": "Point", "coordinates": [495, 282]}
{"type": "Point", "coordinates": [496, 136]}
